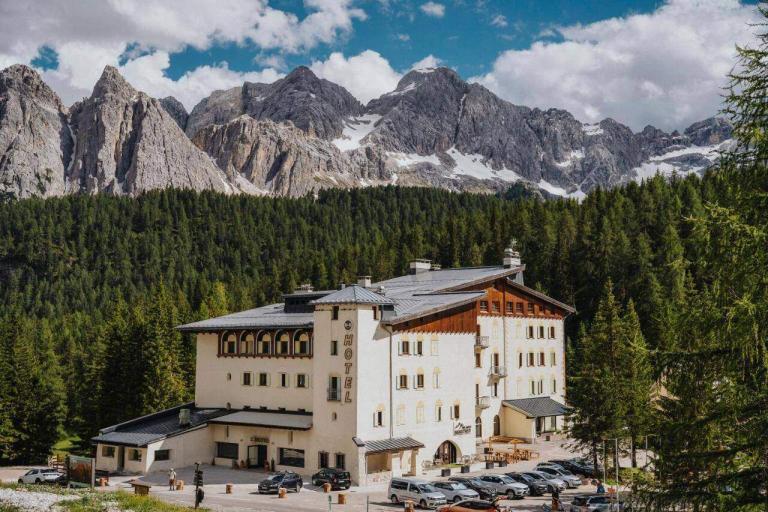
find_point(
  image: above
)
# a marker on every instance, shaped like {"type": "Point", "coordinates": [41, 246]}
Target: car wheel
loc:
{"type": "Point", "coordinates": [456, 499]}
{"type": "Point", "coordinates": [37, 480]}
{"type": "Point", "coordinates": [423, 504]}
{"type": "Point", "coordinates": [394, 499]}
{"type": "Point", "coordinates": [21, 481]}
{"type": "Point", "coordinates": [314, 482]}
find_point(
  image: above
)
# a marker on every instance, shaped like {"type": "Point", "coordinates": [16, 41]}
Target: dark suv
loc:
{"type": "Point", "coordinates": [535, 487]}
{"type": "Point", "coordinates": [287, 479]}
{"type": "Point", "coordinates": [486, 491]}
{"type": "Point", "coordinates": [338, 478]}
{"type": "Point", "coordinates": [577, 466]}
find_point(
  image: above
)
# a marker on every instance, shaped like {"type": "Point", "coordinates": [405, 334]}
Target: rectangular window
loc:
{"type": "Point", "coordinates": [510, 306]}
{"type": "Point", "coordinates": [533, 387]}
{"type": "Point", "coordinates": [341, 462]}
{"type": "Point", "coordinates": [334, 388]}
{"type": "Point", "coordinates": [542, 361]}
{"type": "Point", "coordinates": [263, 379]}
{"type": "Point", "coordinates": [478, 361]}
{"type": "Point", "coordinates": [495, 389]}
{"type": "Point", "coordinates": [436, 378]}
{"type": "Point", "coordinates": [531, 307]}
{"type": "Point", "coordinates": [284, 380]}
{"type": "Point", "coordinates": [541, 331]}
{"type": "Point", "coordinates": [554, 386]}
{"type": "Point", "coordinates": [247, 379]}
{"type": "Point", "coordinates": [263, 346]}
{"type": "Point", "coordinates": [405, 347]}
{"type": "Point", "coordinates": [420, 414]}
{"type": "Point", "coordinates": [529, 332]}
{"type": "Point", "coordinates": [531, 359]}
{"type": "Point", "coordinates": [541, 386]}
{"type": "Point", "coordinates": [301, 380]}
{"type": "Point", "coordinates": [496, 306]}
{"type": "Point", "coordinates": [552, 332]}
{"type": "Point", "coordinates": [162, 454]}
{"type": "Point", "coordinates": [456, 411]}
{"type": "Point", "coordinates": [552, 359]}
{"type": "Point", "coordinates": [402, 382]}
{"type": "Point", "coordinates": [419, 348]}
{"type": "Point", "coordinates": [335, 313]}
{"type": "Point", "coordinates": [108, 451]}
{"type": "Point", "coordinates": [520, 360]}
{"type": "Point", "coordinates": [226, 450]}
{"type": "Point", "coordinates": [334, 347]}
{"type": "Point", "coordinates": [135, 455]}
{"type": "Point", "coordinates": [322, 460]}
{"type": "Point", "coordinates": [553, 422]}
{"type": "Point", "coordinates": [433, 348]}
{"type": "Point", "coordinates": [301, 345]}
{"type": "Point", "coordinates": [375, 313]}
{"type": "Point", "coordinates": [291, 457]}
{"type": "Point", "coordinates": [439, 413]}
{"type": "Point", "coordinates": [419, 381]}
{"type": "Point", "coordinates": [519, 307]}
{"type": "Point", "coordinates": [484, 306]}
{"type": "Point", "coordinates": [400, 415]}
{"type": "Point", "coordinates": [230, 347]}
{"type": "Point", "coordinates": [378, 419]}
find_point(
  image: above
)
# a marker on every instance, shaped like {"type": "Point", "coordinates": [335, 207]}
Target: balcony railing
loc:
{"type": "Point", "coordinates": [482, 402]}
{"type": "Point", "coordinates": [498, 372]}
{"type": "Point", "coordinates": [482, 342]}
{"type": "Point", "coordinates": [334, 395]}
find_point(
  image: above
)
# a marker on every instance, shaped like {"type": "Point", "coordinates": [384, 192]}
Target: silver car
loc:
{"type": "Point", "coordinates": [40, 476]}
{"type": "Point", "coordinates": [455, 491]}
{"type": "Point", "coordinates": [551, 481]}
{"type": "Point", "coordinates": [421, 492]}
{"type": "Point", "coordinates": [505, 485]}
{"type": "Point", "coordinates": [571, 480]}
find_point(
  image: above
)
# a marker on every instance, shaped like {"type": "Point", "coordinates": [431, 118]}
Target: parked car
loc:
{"type": "Point", "coordinates": [455, 491]}
{"type": "Point", "coordinates": [577, 466]}
{"type": "Point", "coordinates": [338, 478]}
{"type": "Point", "coordinates": [486, 491]}
{"type": "Point", "coordinates": [571, 480]}
{"type": "Point", "coordinates": [471, 505]}
{"type": "Point", "coordinates": [552, 483]}
{"type": "Point", "coordinates": [536, 486]}
{"type": "Point", "coordinates": [40, 476]}
{"type": "Point", "coordinates": [287, 479]}
{"type": "Point", "coordinates": [506, 485]}
{"type": "Point", "coordinates": [595, 502]}
{"type": "Point", "coordinates": [419, 491]}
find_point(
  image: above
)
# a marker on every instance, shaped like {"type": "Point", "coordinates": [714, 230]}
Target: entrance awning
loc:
{"type": "Point", "coordinates": [538, 407]}
{"type": "Point", "coordinates": [393, 444]}
{"type": "Point", "coordinates": [284, 420]}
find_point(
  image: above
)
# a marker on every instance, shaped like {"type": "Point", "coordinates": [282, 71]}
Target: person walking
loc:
{"type": "Point", "coordinates": [600, 488]}
{"type": "Point", "coordinates": [171, 479]}
{"type": "Point", "coordinates": [556, 499]}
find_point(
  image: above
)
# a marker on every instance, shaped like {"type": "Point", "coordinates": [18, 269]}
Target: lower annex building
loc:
{"type": "Point", "coordinates": [376, 378]}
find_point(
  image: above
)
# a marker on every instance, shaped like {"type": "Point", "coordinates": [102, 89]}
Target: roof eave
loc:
{"type": "Point", "coordinates": [542, 296]}
{"type": "Point", "coordinates": [437, 309]}
{"type": "Point", "coordinates": [214, 329]}
{"type": "Point", "coordinates": [505, 273]}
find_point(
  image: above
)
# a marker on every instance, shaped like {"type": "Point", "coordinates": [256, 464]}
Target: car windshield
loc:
{"type": "Point", "coordinates": [275, 478]}
{"type": "Point", "coordinates": [427, 488]}
{"type": "Point", "coordinates": [458, 487]}
{"type": "Point", "coordinates": [506, 479]}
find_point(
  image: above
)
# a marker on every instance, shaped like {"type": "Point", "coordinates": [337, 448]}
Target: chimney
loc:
{"type": "Point", "coordinates": [511, 255]}
{"type": "Point", "coordinates": [364, 281]}
{"type": "Point", "coordinates": [184, 417]}
{"type": "Point", "coordinates": [419, 266]}
{"type": "Point", "coordinates": [305, 287]}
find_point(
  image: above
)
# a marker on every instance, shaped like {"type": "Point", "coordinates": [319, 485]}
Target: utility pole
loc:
{"type": "Point", "coordinates": [617, 473]}
{"type": "Point", "coordinates": [198, 481]}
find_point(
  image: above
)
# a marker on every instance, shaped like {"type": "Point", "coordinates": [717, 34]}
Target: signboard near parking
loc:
{"type": "Point", "coordinates": [81, 471]}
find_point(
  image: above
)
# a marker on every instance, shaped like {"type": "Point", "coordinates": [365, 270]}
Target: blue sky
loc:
{"type": "Point", "coordinates": [660, 62]}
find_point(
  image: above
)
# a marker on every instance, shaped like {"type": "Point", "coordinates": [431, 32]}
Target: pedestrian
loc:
{"type": "Point", "coordinates": [600, 488]}
{"type": "Point", "coordinates": [171, 479]}
{"type": "Point", "coordinates": [555, 499]}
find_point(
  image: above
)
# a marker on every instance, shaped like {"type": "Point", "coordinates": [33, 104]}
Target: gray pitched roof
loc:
{"type": "Point", "coordinates": [154, 427]}
{"type": "Point", "coordinates": [442, 280]}
{"type": "Point", "coordinates": [353, 294]}
{"type": "Point", "coordinates": [538, 294]}
{"type": "Point", "coordinates": [273, 315]}
{"type": "Point", "coordinates": [537, 407]}
{"type": "Point", "coordinates": [271, 419]}
{"type": "Point", "coordinates": [421, 305]}
{"type": "Point", "coordinates": [393, 444]}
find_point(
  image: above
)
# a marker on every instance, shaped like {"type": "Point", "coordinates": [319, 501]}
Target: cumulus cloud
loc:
{"type": "Point", "coordinates": [366, 76]}
{"type": "Point", "coordinates": [89, 34]}
{"type": "Point", "coordinates": [499, 21]}
{"type": "Point", "coordinates": [665, 68]}
{"type": "Point", "coordinates": [433, 9]}
{"type": "Point", "coordinates": [430, 61]}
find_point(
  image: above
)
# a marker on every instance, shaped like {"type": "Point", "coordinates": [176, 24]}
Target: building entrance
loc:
{"type": "Point", "coordinates": [446, 453]}
{"type": "Point", "coordinates": [257, 456]}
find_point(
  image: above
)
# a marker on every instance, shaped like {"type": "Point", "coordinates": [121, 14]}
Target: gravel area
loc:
{"type": "Point", "coordinates": [31, 500]}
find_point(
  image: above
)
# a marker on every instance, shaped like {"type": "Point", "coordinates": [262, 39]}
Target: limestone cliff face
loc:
{"type": "Point", "coordinates": [278, 158]}
{"type": "Point", "coordinates": [35, 142]}
{"type": "Point", "coordinates": [127, 143]}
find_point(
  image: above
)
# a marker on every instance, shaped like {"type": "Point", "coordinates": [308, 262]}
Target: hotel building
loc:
{"type": "Point", "coordinates": [378, 378]}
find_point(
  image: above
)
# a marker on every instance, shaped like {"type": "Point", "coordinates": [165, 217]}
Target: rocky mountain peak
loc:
{"type": "Point", "coordinates": [28, 82]}
{"type": "Point", "coordinates": [112, 82]}
{"type": "Point", "coordinates": [176, 110]}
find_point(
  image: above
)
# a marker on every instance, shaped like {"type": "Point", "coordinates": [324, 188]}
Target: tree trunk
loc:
{"type": "Point", "coordinates": [634, 452]}
{"type": "Point", "coordinates": [594, 455]}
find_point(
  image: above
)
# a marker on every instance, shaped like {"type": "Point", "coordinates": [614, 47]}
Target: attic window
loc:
{"type": "Point", "coordinates": [484, 306]}
{"type": "Point", "coordinates": [335, 313]}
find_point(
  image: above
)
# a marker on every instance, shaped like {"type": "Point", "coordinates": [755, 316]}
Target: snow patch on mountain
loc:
{"type": "Point", "coordinates": [409, 159]}
{"type": "Point", "coordinates": [681, 161]}
{"type": "Point", "coordinates": [592, 129]}
{"type": "Point", "coordinates": [560, 191]}
{"type": "Point", "coordinates": [575, 155]}
{"type": "Point", "coordinates": [473, 165]}
{"type": "Point", "coordinates": [355, 130]}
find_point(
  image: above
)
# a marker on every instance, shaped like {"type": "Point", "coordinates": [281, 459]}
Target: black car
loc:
{"type": "Point", "coordinates": [338, 478]}
{"type": "Point", "coordinates": [287, 479]}
{"type": "Point", "coordinates": [486, 492]}
{"type": "Point", "coordinates": [577, 466]}
{"type": "Point", "coordinates": [535, 487]}
{"type": "Point", "coordinates": [538, 478]}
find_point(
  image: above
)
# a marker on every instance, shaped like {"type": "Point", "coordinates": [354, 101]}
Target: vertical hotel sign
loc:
{"type": "Point", "coordinates": [349, 354]}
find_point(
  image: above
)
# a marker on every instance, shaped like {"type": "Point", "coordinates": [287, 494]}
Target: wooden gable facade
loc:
{"type": "Point", "coordinates": [502, 299]}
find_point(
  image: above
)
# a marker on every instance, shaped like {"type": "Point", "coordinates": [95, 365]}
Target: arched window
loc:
{"type": "Point", "coordinates": [229, 343]}
{"type": "Point", "coordinates": [496, 425]}
{"type": "Point", "coordinates": [478, 427]}
{"type": "Point", "coordinates": [246, 343]}
{"type": "Point", "coordinates": [283, 344]}
{"type": "Point", "coordinates": [264, 343]}
{"type": "Point", "coordinates": [301, 343]}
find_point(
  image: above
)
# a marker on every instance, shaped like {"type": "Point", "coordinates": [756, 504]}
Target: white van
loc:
{"type": "Point", "coordinates": [421, 492]}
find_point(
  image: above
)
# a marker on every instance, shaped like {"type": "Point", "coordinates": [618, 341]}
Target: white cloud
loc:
{"type": "Point", "coordinates": [433, 9]}
{"type": "Point", "coordinates": [366, 76]}
{"type": "Point", "coordinates": [499, 21]}
{"type": "Point", "coordinates": [89, 34]}
{"type": "Point", "coordinates": [665, 68]}
{"type": "Point", "coordinates": [403, 37]}
{"type": "Point", "coordinates": [430, 61]}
